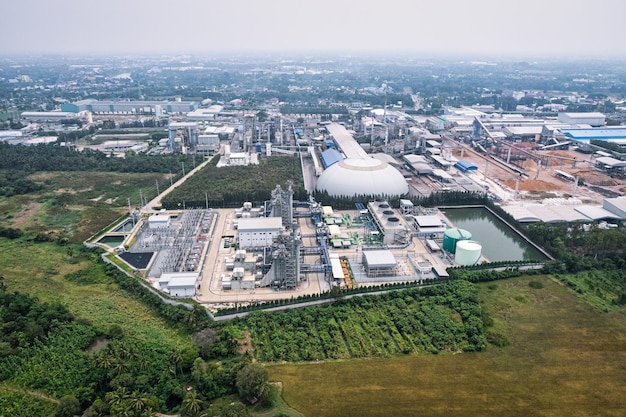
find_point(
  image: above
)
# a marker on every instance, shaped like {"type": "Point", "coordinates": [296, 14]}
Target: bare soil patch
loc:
{"type": "Point", "coordinates": [531, 185]}
{"type": "Point", "coordinates": [24, 215]}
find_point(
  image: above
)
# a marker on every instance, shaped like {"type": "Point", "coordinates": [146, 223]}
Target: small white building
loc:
{"type": "Point", "coordinates": [429, 225]}
{"type": "Point", "coordinates": [379, 263]}
{"type": "Point", "coordinates": [157, 221]}
{"type": "Point", "coordinates": [238, 159]}
{"type": "Point", "coordinates": [258, 232]}
{"type": "Point", "coordinates": [179, 284]}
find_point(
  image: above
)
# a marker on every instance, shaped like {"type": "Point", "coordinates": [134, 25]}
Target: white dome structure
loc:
{"type": "Point", "coordinates": [363, 176]}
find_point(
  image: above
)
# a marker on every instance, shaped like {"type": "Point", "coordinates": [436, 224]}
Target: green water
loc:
{"type": "Point", "coordinates": [127, 226]}
{"type": "Point", "coordinates": [112, 241]}
{"type": "Point", "coordinates": [499, 241]}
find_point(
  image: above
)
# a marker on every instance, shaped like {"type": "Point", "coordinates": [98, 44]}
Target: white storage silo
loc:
{"type": "Point", "coordinates": [467, 252]}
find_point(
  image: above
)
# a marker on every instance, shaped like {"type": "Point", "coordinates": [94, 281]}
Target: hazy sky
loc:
{"type": "Point", "coordinates": [469, 27]}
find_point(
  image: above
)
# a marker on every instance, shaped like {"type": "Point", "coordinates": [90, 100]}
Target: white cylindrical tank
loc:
{"type": "Point", "coordinates": [467, 252]}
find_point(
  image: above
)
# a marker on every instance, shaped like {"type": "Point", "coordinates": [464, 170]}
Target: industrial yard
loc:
{"type": "Point", "coordinates": [287, 249]}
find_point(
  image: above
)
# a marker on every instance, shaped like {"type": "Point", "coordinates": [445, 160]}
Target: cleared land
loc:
{"type": "Point", "coordinates": [544, 184]}
{"type": "Point", "coordinates": [565, 358]}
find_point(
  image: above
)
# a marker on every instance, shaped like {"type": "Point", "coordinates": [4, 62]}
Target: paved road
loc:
{"type": "Point", "coordinates": [156, 201]}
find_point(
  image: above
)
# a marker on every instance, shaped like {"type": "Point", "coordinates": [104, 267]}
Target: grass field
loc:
{"type": "Point", "coordinates": [565, 358]}
{"type": "Point", "coordinates": [43, 270]}
{"type": "Point", "coordinates": [76, 205]}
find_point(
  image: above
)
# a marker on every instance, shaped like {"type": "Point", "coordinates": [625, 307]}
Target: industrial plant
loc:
{"type": "Point", "coordinates": [283, 248]}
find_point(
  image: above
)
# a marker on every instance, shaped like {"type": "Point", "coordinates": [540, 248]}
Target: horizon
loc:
{"type": "Point", "coordinates": [450, 28]}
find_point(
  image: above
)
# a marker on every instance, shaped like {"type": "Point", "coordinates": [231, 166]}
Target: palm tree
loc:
{"type": "Point", "coordinates": [119, 368]}
{"type": "Point", "coordinates": [144, 363]}
{"type": "Point", "coordinates": [176, 357]}
{"type": "Point", "coordinates": [117, 397]}
{"type": "Point", "coordinates": [138, 401]}
{"type": "Point", "coordinates": [104, 360]}
{"type": "Point", "coordinates": [191, 404]}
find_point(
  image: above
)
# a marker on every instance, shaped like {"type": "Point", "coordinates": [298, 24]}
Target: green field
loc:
{"type": "Point", "coordinates": [564, 358]}
{"type": "Point", "coordinates": [46, 271]}
{"type": "Point", "coordinates": [75, 205]}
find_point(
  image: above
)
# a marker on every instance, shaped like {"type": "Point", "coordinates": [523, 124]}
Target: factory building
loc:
{"type": "Point", "coordinates": [129, 107]}
{"type": "Point", "coordinates": [616, 206]}
{"type": "Point", "coordinates": [561, 210]}
{"type": "Point", "coordinates": [48, 116]}
{"type": "Point", "coordinates": [615, 134]}
{"type": "Point", "coordinates": [210, 113]}
{"type": "Point", "coordinates": [208, 144]}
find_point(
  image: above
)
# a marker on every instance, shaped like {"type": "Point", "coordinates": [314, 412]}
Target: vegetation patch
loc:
{"type": "Point", "coordinates": [433, 319]}
{"type": "Point", "coordinates": [17, 402]}
{"type": "Point", "coordinates": [232, 185]}
{"type": "Point", "coordinates": [564, 358]}
{"type": "Point", "coordinates": [605, 290]}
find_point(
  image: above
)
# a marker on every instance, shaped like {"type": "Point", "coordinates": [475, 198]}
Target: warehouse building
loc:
{"type": "Point", "coordinates": [594, 119]}
{"type": "Point", "coordinates": [129, 107]}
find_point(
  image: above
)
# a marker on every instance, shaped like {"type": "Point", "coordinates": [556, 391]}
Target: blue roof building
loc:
{"type": "Point", "coordinates": [464, 166]}
{"type": "Point", "coordinates": [610, 134]}
{"type": "Point", "coordinates": [331, 156]}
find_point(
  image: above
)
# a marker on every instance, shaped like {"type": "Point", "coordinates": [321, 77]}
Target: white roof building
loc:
{"type": "Point", "coordinates": [379, 263]}
{"type": "Point", "coordinates": [592, 118]}
{"type": "Point", "coordinates": [179, 284]}
{"type": "Point", "coordinates": [158, 220]}
{"type": "Point", "coordinates": [258, 232]}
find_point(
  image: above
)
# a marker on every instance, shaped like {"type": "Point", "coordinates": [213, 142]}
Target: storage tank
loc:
{"type": "Point", "coordinates": [452, 236]}
{"type": "Point", "coordinates": [467, 252]}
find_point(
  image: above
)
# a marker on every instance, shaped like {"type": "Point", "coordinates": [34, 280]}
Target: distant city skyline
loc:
{"type": "Point", "coordinates": [553, 29]}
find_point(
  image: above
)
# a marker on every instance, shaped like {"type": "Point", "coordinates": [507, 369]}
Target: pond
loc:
{"type": "Point", "coordinates": [127, 226]}
{"type": "Point", "coordinates": [112, 241]}
{"type": "Point", "coordinates": [499, 242]}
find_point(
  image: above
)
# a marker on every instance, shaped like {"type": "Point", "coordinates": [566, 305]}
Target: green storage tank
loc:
{"type": "Point", "coordinates": [452, 236]}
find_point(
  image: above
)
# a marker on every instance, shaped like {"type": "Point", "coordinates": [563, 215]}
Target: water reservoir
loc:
{"type": "Point", "coordinates": [111, 241]}
{"type": "Point", "coordinates": [127, 226]}
{"type": "Point", "coordinates": [499, 242]}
